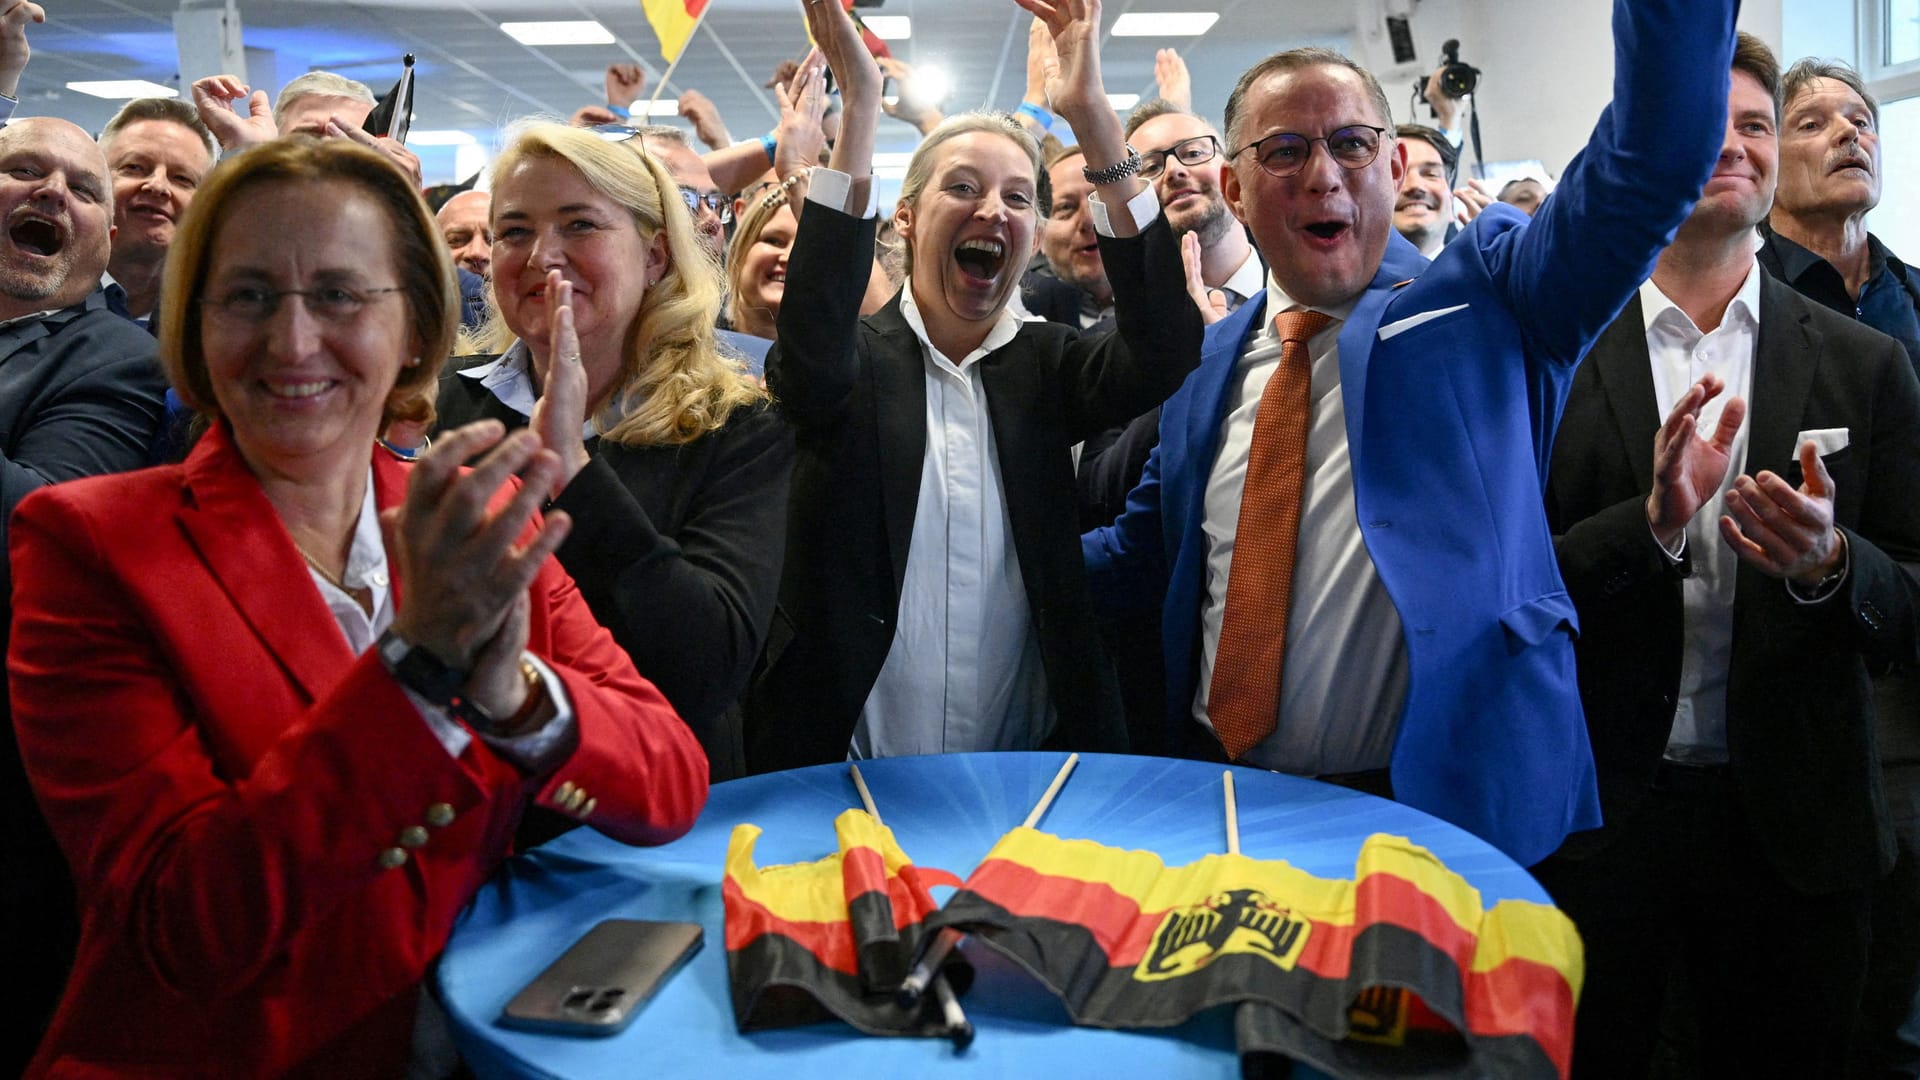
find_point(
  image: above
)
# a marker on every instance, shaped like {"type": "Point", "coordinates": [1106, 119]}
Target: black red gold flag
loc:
{"type": "Point", "coordinates": [807, 942]}
{"type": "Point", "coordinates": [1400, 968]}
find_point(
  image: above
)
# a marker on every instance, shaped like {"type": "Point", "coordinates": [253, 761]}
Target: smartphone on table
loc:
{"type": "Point", "coordinates": [603, 980]}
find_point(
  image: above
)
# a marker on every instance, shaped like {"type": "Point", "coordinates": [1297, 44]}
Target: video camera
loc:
{"type": "Point", "coordinates": [1457, 80]}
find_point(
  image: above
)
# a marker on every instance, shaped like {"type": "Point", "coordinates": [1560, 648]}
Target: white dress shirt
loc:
{"type": "Point", "coordinates": [1345, 677]}
{"type": "Point", "coordinates": [964, 671]}
{"type": "Point", "coordinates": [1245, 281]}
{"type": "Point", "coordinates": [367, 569]}
{"type": "Point", "coordinates": [1680, 355]}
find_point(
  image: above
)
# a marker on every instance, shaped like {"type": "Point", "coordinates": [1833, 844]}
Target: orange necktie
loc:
{"type": "Point", "coordinates": [1243, 701]}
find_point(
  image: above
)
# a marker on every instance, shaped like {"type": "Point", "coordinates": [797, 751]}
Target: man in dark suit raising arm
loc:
{"type": "Point", "coordinates": [1734, 569]}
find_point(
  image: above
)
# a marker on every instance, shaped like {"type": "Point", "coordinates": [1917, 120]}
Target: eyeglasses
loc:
{"type": "Point", "coordinates": [1188, 152]}
{"type": "Point", "coordinates": [1285, 153]}
{"type": "Point", "coordinates": [712, 200]}
{"type": "Point", "coordinates": [614, 132]}
{"type": "Point", "coordinates": [328, 303]}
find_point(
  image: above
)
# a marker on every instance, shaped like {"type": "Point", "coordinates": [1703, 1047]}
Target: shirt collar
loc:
{"type": "Point", "coordinates": [1744, 308]}
{"type": "Point", "coordinates": [1246, 281]}
{"type": "Point", "coordinates": [1278, 301]}
{"type": "Point", "coordinates": [1004, 329]}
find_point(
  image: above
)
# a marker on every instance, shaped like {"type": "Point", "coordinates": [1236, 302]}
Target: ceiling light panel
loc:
{"type": "Point", "coordinates": [577, 32]}
{"type": "Point", "coordinates": [1164, 23]}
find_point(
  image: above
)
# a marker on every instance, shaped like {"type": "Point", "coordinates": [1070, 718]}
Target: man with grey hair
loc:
{"type": "Point", "coordinates": [710, 207]}
{"type": "Point", "coordinates": [79, 395]}
{"type": "Point", "coordinates": [1816, 240]}
{"type": "Point", "coordinates": [319, 103]}
{"type": "Point", "coordinates": [1378, 434]}
{"type": "Point", "coordinates": [157, 151]}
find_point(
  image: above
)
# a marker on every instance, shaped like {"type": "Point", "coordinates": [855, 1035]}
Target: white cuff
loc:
{"type": "Point", "coordinates": [1141, 209]}
{"type": "Point", "coordinates": [830, 189]}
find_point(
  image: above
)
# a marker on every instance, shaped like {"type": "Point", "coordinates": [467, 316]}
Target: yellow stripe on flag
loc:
{"type": "Point", "coordinates": [673, 22]}
{"type": "Point", "coordinates": [813, 891]}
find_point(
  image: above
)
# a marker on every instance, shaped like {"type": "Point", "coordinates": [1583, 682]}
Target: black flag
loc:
{"type": "Point", "coordinates": [394, 114]}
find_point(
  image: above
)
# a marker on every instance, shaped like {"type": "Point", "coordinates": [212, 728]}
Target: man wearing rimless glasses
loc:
{"type": "Point", "coordinates": [712, 212]}
{"type": "Point", "coordinates": [1376, 431]}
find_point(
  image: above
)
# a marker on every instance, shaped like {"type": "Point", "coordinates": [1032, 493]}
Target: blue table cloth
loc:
{"type": "Point", "coordinates": [946, 811]}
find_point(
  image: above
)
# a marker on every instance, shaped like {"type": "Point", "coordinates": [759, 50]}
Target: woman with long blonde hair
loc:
{"type": "Point", "coordinates": [674, 464]}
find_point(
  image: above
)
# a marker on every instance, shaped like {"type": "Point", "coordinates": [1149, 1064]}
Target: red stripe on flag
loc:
{"type": "Point", "coordinates": [831, 943]}
{"type": "Point", "coordinates": [863, 870]}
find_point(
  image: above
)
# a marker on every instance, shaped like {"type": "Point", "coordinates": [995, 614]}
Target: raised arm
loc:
{"type": "Point", "coordinates": [1620, 199]}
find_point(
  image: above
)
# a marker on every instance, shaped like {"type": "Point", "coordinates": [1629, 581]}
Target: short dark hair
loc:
{"type": "Point", "coordinates": [1434, 137]}
{"type": "Point", "coordinates": [1805, 70]}
{"type": "Point", "coordinates": [1295, 60]}
{"type": "Point", "coordinates": [1153, 109]}
{"type": "Point", "coordinates": [171, 110]}
{"type": "Point", "coordinates": [1752, 56]}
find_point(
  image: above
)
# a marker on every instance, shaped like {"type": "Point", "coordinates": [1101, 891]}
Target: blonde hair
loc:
{"type": "Point", "coordinates": [421, 263]}
{"type": "Point", "coordinates": [745, 235]}
{"type": "Point", "coordinates": [674, 385]}
{"type": "Point", "coordinates": [920, 166]}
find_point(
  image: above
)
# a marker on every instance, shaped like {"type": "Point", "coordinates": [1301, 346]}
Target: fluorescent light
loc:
{"type": "Point", "coordinates": [1123, 101]}
{"type": "Point", "coordinates": [664, 107]}
{"type": "Point", "coordinates": [1164, 23]}
{"type": "Point", "coordinates": [889, 27]}
{"type": "Point", "coordinates": [578, 32]}
{"type": "Point", "coordinates": [417, 137]}
{"type": "Point", "coordinates": [125, 89]}
{"type": "Point", "coordinates": [891, 161]}
{"type": "Point", "coordinates": [890, 172]}
{"type": "Point", "coordinates": [931, 83]}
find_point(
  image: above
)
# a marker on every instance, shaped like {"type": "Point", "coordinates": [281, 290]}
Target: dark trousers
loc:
{"type": "Point", "coordinates": [1889, 1038]}
{"type": "Point", "coordinates": [1773, 976]}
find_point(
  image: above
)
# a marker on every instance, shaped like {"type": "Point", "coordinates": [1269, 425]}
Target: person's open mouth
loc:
{"type": "Point", "coordinates": [980, 260]}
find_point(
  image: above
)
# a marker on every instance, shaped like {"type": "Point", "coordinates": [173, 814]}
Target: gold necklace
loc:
{"type": "Point", "coordinates": [353, 594]}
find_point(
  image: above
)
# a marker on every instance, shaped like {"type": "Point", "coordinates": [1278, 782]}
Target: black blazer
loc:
{"type": "Point", "coordinates": [1799, 707]}
{"type": "Point", "coordinates": [855, 391]}
{"type": "Point", "coordinates": [677, 551]}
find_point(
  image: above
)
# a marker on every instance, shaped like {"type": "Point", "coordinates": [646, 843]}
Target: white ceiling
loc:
{"type": "Point", "coordinates": [471, 76]}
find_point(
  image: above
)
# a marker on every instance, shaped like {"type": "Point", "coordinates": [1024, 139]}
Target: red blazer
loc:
{"type": "Point", "coordinates": [225, 776]}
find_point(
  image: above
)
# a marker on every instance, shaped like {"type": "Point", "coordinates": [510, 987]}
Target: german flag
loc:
{"type": "Point", "coordinates": [1399, 967]}
{"type": "Point", "coordinates": [833, 938]}
{"type": "Point", "coordinates": [673, 22]}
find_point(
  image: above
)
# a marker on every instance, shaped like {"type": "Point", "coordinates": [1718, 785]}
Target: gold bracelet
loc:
{"type": "Point", "coordinates": [536, 697]}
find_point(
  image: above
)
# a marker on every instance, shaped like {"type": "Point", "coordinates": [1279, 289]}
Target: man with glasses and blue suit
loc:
{"type": "Point", "coordinates": [1344, 512]}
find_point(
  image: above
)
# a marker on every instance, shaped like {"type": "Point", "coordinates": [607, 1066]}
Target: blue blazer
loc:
{"type": "Point", "coordinates": [1454, 375]}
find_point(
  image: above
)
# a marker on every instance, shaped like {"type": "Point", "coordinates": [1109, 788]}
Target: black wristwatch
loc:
{"type": "Point", "coordinates": [417, 668]}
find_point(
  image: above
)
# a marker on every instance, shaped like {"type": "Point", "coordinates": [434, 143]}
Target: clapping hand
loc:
{"type": "Point", "coordinates": [1688, 470]}
{"type": "Point", "coordinates": [560, 416]}
{"type": "Point", "coordinates": [1211, 302]}
{"type": "Point", "coordinates": [1783, 531]}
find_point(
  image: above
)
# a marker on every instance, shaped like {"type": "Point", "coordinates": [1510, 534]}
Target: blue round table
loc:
{"type": "Point", "coordinates": [946, 811]}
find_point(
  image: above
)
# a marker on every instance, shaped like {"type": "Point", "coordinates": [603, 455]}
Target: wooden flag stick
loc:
{"type": "Point", "coordinates": [1046, 800]}
{"type": "Point", "coordinates": [1233, 814]}
{"type": "Point", "coordinates": [959, 1028]}
{"type": "Point", "coordinates": [866, 797]}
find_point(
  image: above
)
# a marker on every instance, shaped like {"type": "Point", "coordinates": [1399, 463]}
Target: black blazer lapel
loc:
{"type": "Point", "coordinates": [900, 417]}
{"type": "Point", "coordinates": [1784, 361]}
{"type": "Point", "coordinates": [1625, 370]}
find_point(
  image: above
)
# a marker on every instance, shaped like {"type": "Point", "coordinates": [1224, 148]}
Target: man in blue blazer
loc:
{"type": "Point", "coordinates": [1428, 632]}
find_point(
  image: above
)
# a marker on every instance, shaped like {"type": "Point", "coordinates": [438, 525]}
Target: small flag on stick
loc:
{"type": "Point", "coordinates": [393, 115]}
{"type": "Point", "coordinates": [673, 22]}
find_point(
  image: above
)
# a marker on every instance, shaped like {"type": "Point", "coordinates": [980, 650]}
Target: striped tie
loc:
{"type": "Point", "coordinates": [1243, 701]}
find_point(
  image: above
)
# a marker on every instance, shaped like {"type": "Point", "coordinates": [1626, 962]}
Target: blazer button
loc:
{"type": "Point", "coordinates": [413, 836]}
{"type": "Point", "coordinates": [393, 858]}
{"type": "Point", "coordinates": [562, 793]}
{"type": "Point", "coordinates": [586, 808]}
{"type": "Point", "coordinates": [439, 815]}
{"type": "Point", "coordinates": [575, 798]}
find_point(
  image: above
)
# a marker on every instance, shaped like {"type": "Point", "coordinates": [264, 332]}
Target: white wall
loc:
{"type": "Point", "coordinates": [1547, 70]}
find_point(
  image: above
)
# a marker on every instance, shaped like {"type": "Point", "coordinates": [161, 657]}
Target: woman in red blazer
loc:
{"type": "Point", "coordinates": [279, 750]}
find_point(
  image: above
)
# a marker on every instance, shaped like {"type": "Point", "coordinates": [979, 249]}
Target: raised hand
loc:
{"type": "Point", "coordinates": [699, 110]}
{"type": "Point", "coordinates": [560, 416]}
{"type": "Point", "coordinates": [1042, 64]}
{"type": "Point", "coordinates": [14, 50]}
{"type": "Point", "coordinates": [1688, 470]}
{"type": "Point", "coordinates": [465, 565]}
{"type": "Point", "coordinates": [1074, 25]}
{"type": "Point", "coordinates": [593, 116]}
{"type": "Point", "coordinates": [1171, 75]}
{"type": "Point", "coordinates": [911, 104]}
{"type": "Point", "coordinates": [1782, 531]}
{"type": "Point", "coordinates": [854, 69]}
{"type": "Point", "coordinates": [403, 159]}
{"type": "Point", "coordinates": [624, 84]}
{"type": "Point", "coordinates": [800, 137]}
{"type": "Point", "coordinates": [1468, 201]}
{"type": "Point", "coordinates": [1211, 302]}
{"type": "Point", "coordinates": [214, 96]}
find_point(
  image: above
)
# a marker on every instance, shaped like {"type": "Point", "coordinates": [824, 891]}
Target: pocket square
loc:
{"type": "Point", "coordinates": [1829, 440]}
{"type": "Point", "coordinates": [1401, 326]}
